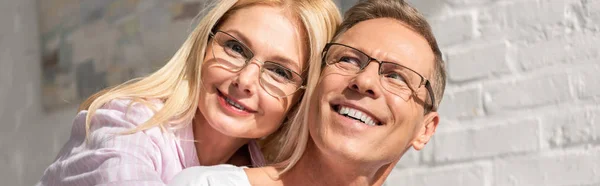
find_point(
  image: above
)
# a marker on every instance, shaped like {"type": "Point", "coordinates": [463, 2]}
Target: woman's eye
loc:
{"type": "Point", "coordinates": [282, 72]}
{"type": "Point", "coordinates": [235, 47]}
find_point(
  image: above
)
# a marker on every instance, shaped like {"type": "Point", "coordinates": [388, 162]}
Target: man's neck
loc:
{"type": "Point", "coordinates": [213, 147]}
{"type": "Point", "coordinates": [316, 168]}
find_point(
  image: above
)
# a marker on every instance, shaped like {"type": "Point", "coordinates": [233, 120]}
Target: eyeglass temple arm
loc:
{"type": "Point", "coordinates": [431, 96]}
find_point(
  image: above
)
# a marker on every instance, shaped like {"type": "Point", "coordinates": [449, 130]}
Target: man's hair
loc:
{"type": "Point", "coordinates": [401, 11]}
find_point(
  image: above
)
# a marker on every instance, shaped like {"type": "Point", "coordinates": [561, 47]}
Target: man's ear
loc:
{"type": "Point", "coordinates": [430, 123]}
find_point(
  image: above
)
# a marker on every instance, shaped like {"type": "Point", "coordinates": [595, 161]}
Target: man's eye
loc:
{"type": "Point", "coordinates": [396, 77]}
{"type": "Point", "coordinates": [347, 59]}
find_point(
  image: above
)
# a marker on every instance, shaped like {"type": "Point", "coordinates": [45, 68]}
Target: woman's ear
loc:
{"type": "Point", "coordinates": [430, 123]}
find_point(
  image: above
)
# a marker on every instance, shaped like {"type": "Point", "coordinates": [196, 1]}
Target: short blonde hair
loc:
{"type": "Point", "coordinates": [177, 83]}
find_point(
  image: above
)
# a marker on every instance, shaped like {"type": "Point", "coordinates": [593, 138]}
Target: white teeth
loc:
{"type": "Point", "coordinates": [370, 121]}
{"type": "Point", "coordinates": [234, 104]}
{"type": "Point", "coordinates": [344, 110]}
{"type": "Point", "coordinates": [359, 115]}
{"type": "Point", "coordinates": [356, 114]}
{"type": "Point", "coordinates": [351, 112]}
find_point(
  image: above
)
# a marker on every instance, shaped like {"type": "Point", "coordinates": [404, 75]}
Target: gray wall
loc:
{"type": "Point", "coordinates": [30, 137]}
{"type": "Point", "coordinates": [32, 132]}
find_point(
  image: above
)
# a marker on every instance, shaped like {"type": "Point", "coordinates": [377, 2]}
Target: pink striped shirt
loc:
{"type": "Point", "coordinates": [149, 157]}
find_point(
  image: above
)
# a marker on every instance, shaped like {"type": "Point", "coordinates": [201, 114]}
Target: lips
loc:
{"type": "Point", "coordinates": [234, 104]}
{"type": "Point", "coordinates": [357, 114]}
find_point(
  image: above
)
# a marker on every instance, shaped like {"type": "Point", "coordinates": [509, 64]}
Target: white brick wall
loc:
{"type": "Point", "coordinates": [522, 103]}
{"type": "Point", "coordinates": [484, 141]}
{"type": "Point", "coordinates": [578, 166]}
{"type": "Point", "coordinates": [477, 62]}
{"type": "Point", "coordinates": [478, 173]}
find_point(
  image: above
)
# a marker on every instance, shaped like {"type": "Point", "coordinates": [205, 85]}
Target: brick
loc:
{"type": "Point", "coordinates": [594, 118]}
{"type": "Point", "coordinates": [469, 2]}
{"type": "Point", "coordinates": [586, 83]}
{"type": "Point", "coordinates": [471, 174]}
{"type": "Point", "coordinates": [429, 8]}
{"type": "Point", "coordinates": [477, 63]}
{"type": "Point", "coordinates": [453, 30]}
{"type": "Point", "coordinates": [464, 104]}
{"type": "Point", "coordinates": [572, 48]}
{"type": "Point", "coordinates": [534, 13]}
{"type": "Point", "coordinates": [520, 20]}
{"type": "Point", "coordinates": [570, 128]}
{"type": "Point", "coordinates": [593, 10]}
{"type": "Point", "coordinates": [526, 93]}
{"type": "Point", "coordinates": [502, 139]}
{"type": "Point", "coordinates": [557, 169]}
{"type": "Point", "coordinates": [491, 23]}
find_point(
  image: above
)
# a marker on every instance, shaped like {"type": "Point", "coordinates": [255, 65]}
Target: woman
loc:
{"type": "Point", "coordinates": [233, 80]}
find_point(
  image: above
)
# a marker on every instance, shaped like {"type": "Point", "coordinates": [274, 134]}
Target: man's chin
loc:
{"type": "Point", "coordinates": [349, 151]}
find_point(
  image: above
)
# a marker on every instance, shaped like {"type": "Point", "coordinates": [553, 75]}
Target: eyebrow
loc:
{"type": "Point", "coordinates": [288, 63]}
{"type": "Point", "coordinates": [276, 59]}
{"type": "Point", "coordinates": [393, 57]}
{"type": "Point", "coordinates": [241, 37]}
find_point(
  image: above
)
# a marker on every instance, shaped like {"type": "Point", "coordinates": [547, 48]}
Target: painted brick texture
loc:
{"type": "Point", "coordinates": [522, 101]}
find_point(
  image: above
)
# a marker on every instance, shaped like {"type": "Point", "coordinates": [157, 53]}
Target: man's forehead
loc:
{"type": "Point", "coordinates": [392, 40]}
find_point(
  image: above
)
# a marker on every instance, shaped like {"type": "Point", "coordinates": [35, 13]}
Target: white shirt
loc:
{"type": "Point", "coordinates": [218, 175]}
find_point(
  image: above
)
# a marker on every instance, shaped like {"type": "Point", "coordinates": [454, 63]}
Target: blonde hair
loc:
{"type": "Point", "coordinates": [177, 83]}
{"type": "Point", "coordinates": [285, 147]}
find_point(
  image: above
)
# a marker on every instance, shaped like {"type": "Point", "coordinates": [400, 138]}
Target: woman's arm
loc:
{"type": "Point", "coordinates": [108, 158]}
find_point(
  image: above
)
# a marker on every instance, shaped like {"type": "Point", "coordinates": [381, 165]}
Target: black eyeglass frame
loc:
{"type": "Point", "coordinates": [424, 81]}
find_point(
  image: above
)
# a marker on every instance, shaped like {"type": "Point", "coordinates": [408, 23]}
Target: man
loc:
{"type": "Point", "coordinates": [381, 84]}
{"type": "Point", "coordinates": [377, 95]}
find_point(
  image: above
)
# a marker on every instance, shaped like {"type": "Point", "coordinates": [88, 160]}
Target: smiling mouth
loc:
{"type": "Point", "coordinates": [356, 115]}
{"type": "Point", "coordinates": [232, 103]}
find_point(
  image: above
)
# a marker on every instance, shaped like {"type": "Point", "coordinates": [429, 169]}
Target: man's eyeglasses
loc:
{"type": "Point", "coordinates": [277, 79]}
{"type": "Point", "coordinates": [395, 78]}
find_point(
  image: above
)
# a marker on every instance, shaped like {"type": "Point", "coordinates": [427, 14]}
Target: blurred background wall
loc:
{"type": "Point", "coordinates": [520, 107]}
